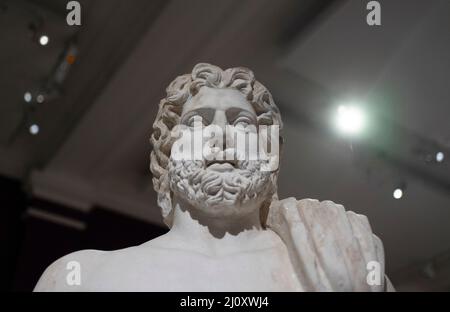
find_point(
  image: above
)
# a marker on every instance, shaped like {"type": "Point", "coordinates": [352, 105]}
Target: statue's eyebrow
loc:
{"type": "Point", "coordinates": [206, 113]}
{"type": "Point", "coordinates": [235, 112]}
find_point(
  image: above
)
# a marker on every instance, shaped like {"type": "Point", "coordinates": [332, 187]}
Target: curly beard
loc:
{"type": "Point", "coordinates": [228, 193]}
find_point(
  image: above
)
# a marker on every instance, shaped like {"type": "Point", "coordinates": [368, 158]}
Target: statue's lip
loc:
{"type": "Point", "coordinates": [231, 162]}
{"type": "Point", "coordinates": [221, 165]}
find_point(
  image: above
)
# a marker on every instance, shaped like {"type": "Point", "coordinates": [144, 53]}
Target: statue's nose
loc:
{"type": "Point", "coordinates": [220, 120]}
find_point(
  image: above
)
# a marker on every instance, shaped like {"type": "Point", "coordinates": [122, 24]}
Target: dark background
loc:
{"type": "Point", "coordinates": [82, 182]}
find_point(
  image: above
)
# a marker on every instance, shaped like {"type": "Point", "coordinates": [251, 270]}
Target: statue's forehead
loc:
{"type": "Point", "coordinates": [215, 98]}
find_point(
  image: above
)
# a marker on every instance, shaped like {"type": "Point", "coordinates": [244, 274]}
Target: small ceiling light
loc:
{"type": "Point", "coordinates": [43, 40]}
{"type": "Point", "coordinates": [398, 193]}
{"type": "Point", "coordinates": [34, 129]}
{"type": "Point", "coordinates": [350, 119]}
{"type": "Point", "coordinates": [439, 156]}
{"type": "Point", "coordinates": [40, 98]}
{"type": "Point", "coordinates": [27, 97]}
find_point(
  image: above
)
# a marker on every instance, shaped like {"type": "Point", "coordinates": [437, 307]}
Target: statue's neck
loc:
{"type": "Point", "coordinates": [212, 234]}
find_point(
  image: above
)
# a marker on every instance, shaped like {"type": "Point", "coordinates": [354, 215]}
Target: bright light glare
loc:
{"type": "Point", "coordinates": [398, 193]}
{"type": "Point", "coordinates": [40, 98]}
{"type": "Point", "coordinates": [34, 129]}
{"type": "Point", "coordinates": [43, 40]}
{"type": "Point", "coordinates": [27, 97]}
{"type": "Point", "coordinates": [350, 119]}
{"type": "Point", "coordinates": [439, 156]}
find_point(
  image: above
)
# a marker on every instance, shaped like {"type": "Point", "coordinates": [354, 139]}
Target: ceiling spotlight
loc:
{"type": "Point", "coordinates": [34, 129]}
{"type": "Point", "coordinates": [350, 119]}
{"type": "Point", "coordinates": [40, 98]}
{"type": "Point", "coordinates": [439, 156]}
{"type": "Point", "coordinates": [398, 193]}
{"type": "Point", "coordinates": [43, 40]}
{"type": "Point", "coordinates": [27, 97]}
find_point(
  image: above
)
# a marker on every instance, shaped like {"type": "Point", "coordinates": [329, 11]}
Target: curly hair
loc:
{"type": "Point", "coordinates": [170, 108]}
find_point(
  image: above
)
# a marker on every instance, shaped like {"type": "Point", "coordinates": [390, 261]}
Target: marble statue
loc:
{"type": "Point", "coordinates": [228, 229]}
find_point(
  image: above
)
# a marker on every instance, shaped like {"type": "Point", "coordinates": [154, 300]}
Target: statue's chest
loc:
{"type": "Point", "coordinates": [245, 273]}
{"type": "Point", "coordinates": [254, 271]}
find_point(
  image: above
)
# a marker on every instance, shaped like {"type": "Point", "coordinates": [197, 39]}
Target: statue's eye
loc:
{"type": "Point", "coordinates": [193, 120]}
{"type": "Point", "coordinates": [242, 122]}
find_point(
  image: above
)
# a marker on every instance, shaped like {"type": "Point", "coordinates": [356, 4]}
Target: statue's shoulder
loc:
{"type": "Point", "coordinates": [320, 213]}
{"type": "Point", "coordinates": [65, 273]}
{"type": "Point", "coordinates": [96, 270]}
{"type": "Point", "coordinates": [331, 247]}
